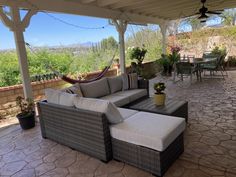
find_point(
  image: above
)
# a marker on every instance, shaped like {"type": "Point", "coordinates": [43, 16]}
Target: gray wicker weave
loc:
{"type": "Point", "coordinates": [86, 131]}
{"type": "Point", "coordinates": [148, 159]}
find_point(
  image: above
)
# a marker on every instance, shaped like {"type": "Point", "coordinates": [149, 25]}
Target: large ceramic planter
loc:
{"type": "Point", "coordinates": [26, 121]}
{"type": "Point", "coordinates": [159, 99]}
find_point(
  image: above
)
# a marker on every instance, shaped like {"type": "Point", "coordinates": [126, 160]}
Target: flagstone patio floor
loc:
{"type": "Point", "coordinates": [210, 140]}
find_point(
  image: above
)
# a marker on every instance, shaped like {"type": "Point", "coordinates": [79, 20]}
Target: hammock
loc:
{"type": "Point", "coordinates": [74, 81]}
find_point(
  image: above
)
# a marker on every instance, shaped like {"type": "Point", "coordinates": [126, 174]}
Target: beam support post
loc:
{"type": "Point", "coordinates": [164, 26]}
{"type": "Point", "coordinates": [121, 27]}
{"type": "Point", "coordinates": [17, 26]}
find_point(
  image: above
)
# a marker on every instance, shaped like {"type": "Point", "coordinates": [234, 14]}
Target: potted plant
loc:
{"type": "Point", "coordinates": [165, 63]}
{"type": "Point", "coordinates": [173, 57]}
{"type": "Point", "coordinates": [27, 115]}
{"type": "Point", "coordinates": [160, 96]}
{"type": "Point", "coordinates": [137, 54]}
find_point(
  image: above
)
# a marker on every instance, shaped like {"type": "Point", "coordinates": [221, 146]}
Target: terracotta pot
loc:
{"type": "Point", "coordinates": [159, 99]}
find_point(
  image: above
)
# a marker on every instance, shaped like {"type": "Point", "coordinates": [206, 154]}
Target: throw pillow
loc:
{"type": "Point", "coordinates": [125, 82]}
{"type": "Point", "coordinates": [109, 109]}
{"type": "Point", "coordinates": [59, 97]}
{"type": "Point", "coordinates": [95, 89]}
{"type": "Point", "coordinates": [66, 99]}
{"type": "Point", "coordinates": [133, 81]}
{"type": "Point", "coordinates": [52, 95]}
{"type": "Point", "coordinates": [115, 83]}
{"type": "Point", "coordinates": [74, 89]}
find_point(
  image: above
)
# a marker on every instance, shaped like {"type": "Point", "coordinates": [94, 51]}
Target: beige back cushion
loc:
{"type": "Point", "coordinates": [115, 83]}
{"type": "Point", "coordinates": [74, 89]}
{"type": "Point", "coordinates": [109, 109]}
{"type": "Point", "coordinates": [125, 81]}
{"type": "Point", "coordinates": [59, 97]}
{"type": "Point", "coordinates": [95, 89]}
{"type": "Point", "coordinates": [133, 81]}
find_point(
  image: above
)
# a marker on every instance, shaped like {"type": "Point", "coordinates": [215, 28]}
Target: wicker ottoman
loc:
{"type": "Point", "coordinates": [154, 154]}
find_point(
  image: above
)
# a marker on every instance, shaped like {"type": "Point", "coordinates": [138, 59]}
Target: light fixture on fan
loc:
{"type": "Point", "coordinates": [203, 18]}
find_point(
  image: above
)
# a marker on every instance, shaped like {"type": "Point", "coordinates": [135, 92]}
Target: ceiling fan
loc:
{"type": "Point", "coordinates": [203, 11]}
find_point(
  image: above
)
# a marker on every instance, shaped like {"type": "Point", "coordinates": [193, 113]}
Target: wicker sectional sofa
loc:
{"type": "Point", "coordinates": [152, 148]}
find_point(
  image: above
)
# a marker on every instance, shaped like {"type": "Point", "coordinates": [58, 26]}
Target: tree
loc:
{"type": "Point", "coordinates": [109, 43]}
{"type": "Point", "coordinates": [229, 17]}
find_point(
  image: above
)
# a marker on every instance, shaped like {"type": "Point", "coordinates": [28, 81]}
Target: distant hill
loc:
{"type": "Point", "coordinates": [84, 45]}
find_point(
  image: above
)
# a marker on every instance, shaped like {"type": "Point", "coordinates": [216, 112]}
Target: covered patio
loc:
{"type": "Point", "coordinates": [210, 141]}
{"type": "Point", "coordinates": [210, 136]}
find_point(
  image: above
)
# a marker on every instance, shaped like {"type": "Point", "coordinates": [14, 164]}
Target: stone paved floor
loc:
{"type": "Point", "coordinates": [210, 141]}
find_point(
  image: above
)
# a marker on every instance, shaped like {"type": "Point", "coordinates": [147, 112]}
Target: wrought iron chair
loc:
{"type": "Point", "coordinates": [215, 65]}
{"type": "Point", "coordinates": [184, 69]}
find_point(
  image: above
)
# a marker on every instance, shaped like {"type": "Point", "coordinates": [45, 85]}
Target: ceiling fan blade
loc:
{"type": "Point", "coordinates": [203, 21]}
{"type": "Point", "coordinates": [214, 12]}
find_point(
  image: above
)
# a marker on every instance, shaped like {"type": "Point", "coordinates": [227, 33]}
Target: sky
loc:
{"type": "Point", "coordinates": [45, 30]}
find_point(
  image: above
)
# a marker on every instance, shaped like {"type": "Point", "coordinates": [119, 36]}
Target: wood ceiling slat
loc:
{"type": "Point", "coordinates": [104, 3]}
{"type": "Point", "coordinates": [129, 3]}
{"type": "Point", "coordinates": [87, 1]}
{"type": "Point", "coordinates": [163, 6]}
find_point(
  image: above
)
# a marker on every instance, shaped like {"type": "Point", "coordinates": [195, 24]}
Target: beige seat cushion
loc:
{"type": "Point", "coordinates": [95, 89]}
{"type": "Point", "coordinates": [118, 100]}
{"type": "Point", "coordinates": [126, 113]}
{"type": "Point", "coordinates": [150, 130]}
{"type": "Point", "coordinates": [133, 94]}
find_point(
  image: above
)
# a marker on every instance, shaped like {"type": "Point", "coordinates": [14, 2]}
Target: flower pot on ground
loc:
{"type": "Point", "coordinates": [159, 96]}
{"type": "Point", "coordinates": [26, 121]}
{"type": "Point", "coordinates": [165, 63]}
{"type": "Point", "coordinates": [27, 115]}
{"type": "Point", "coordinates": [173, 57]}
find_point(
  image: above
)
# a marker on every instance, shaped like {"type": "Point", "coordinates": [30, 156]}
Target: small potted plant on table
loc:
{"type": "Point", "coordinates": [160, 96]}
{"type": "Point", "coordinates": [27, 115]}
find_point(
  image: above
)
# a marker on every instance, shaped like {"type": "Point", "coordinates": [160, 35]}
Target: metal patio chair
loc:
{"type": "Point", "coordinates": [184, 69]}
